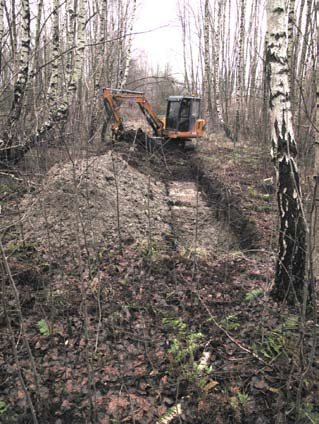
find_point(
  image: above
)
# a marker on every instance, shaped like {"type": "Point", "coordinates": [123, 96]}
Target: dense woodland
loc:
{"type": "Point", "coordinates": [141, 282]}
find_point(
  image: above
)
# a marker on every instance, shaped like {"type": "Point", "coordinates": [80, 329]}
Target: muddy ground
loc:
{"type": "Point", "coordinates": [143, 276]}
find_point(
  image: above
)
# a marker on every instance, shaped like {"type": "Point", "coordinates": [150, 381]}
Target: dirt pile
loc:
{"type": "Point", "coordinates": [94, 202]}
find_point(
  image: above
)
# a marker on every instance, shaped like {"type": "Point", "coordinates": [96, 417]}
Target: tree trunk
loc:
{"type": "Point", "coordinates": [207, 78]}
{"type": "Point", "coordinates": [123, 78]}
{"type": "Point", "coordinates": [217, 66]}
{"type": "Point", "coordinates": [290, 49]}
{"type": "Point", "coordinates": [291, 260]}
{"type": "Point", "coordinates": [10, 152]}
{"type": "Point", "coordinates": [183, 22]}
{"type": "Point", "coordinates": [315, 211]}
{"type": "Point", "coordinates": [1, 31]}
{"type": "Point", "coordinates": [240, 70]}
{"type": "Point", "coordinates": [60, 111]}
{"type": "Point", "coordinates": [54, 80]}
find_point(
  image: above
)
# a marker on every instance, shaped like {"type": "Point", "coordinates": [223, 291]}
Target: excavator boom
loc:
{"type": "Point", "coordinates": [113, 99]}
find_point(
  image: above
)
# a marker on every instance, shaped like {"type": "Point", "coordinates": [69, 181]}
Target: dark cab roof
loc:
{"type": "Point", "coordinates": [179, 98]}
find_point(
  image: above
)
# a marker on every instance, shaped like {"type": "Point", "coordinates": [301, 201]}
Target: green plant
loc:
{"type": "Point", "coordinates": [23, 246]}
{"type": "Point", "coordinates": [307, 412]}
{"type": "Point", "coordinates": [183, 347]}
{"type": "Point", "coordinates": [185, 342]}
{"type": "Point", "coordinates": [170, 414]}
{"type": "Point", "coordinates": [253, 294]}
{"type": "Point", "coordinates": [43, 327]}
{"type": "Point", "coordinates": [230, 322]}
{"type": "Point", "coordinates": [3, 407]}
{"type": "Point", "coordinates": [124, 281]}
{"type": "Point", "coordinates": [149, 251]}
{"type": "Point", "coordinates": [277, 340]}
{"type": "Point", "coordinates": [243, 398]}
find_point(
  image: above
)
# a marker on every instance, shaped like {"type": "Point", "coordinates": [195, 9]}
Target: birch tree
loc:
{"type": "Point", "coordinates": [290, 267]}
{"type": "Point", "coordinates": [315, 209]}
{"type": "Point", "coordinates": [60, 111]}
{"type": "Point", "coordinates": [123, 77]}
{"type": "Point", "coordinates": [183, 22]}
{"type": "Point", "coordinates": [217, 66]}
{"type": "Point", "coordinates": [207, 74]}
{"type": "Point", "coordinates": [1, 31]}
{"type": "Point", "coordinates": [9, 151]}
{"type": "Point", "coordinates": [317, 101]}
{"type": "Point", "coordinates": [290, 48]}
{"type": "Point", "coordinates": [240, 69]}
{"type": "Point", "coordinates": [54, 81]}
{"type": "Point", "coordinates": [190, 24]}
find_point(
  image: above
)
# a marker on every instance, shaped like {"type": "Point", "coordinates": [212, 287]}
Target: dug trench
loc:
{"type": "Point", "coordinates": [201, 205]}
{"type": "Point", "coordinates": [127, 327]}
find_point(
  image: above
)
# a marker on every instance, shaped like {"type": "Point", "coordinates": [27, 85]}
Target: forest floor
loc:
{"type": "Point", "coordinates": [143, 275]}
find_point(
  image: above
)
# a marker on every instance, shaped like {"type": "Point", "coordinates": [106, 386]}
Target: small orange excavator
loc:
{"type": "Point", "coordinates": [182, 121]}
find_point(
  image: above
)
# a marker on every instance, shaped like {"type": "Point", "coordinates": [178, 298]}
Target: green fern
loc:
{"type": "Point", "coordinates": [3, 407]}
{"type": "Point", "coordinates": [184, 344]}
{"type": "Point", "coordinates": [230, 322]}
{"type": "Point", "coordinates": [291, 323]}
{"type": "Point", "coordinates": [278, 339]}
{"type": "Point", "coordinates": [43, 327]}
{"type": "Point", "coordinates": [174, 323]}
{"type": "Point", "coordinates": [170, 414]}
{"type": "Point", "coordinates": [253, 295]}
{"type": "Point", "coordinates": [243, 398]}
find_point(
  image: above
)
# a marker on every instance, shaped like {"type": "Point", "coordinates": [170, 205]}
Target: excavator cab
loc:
{"type": "Point", "coordinates": [183, 117]}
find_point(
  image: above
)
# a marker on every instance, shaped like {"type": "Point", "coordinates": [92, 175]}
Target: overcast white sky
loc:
{"type": "Point", "coordinates": [161, 45]}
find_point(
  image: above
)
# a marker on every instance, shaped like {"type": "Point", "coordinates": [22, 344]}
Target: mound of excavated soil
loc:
{"type": "Point", "coordinates": [92, 203]}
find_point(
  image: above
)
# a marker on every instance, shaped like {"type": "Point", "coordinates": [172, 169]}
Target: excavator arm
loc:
{"type": "Point", "coordinates": [113, 99]}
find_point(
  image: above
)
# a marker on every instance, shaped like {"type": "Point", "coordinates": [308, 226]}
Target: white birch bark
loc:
{"type": "Point", "coordinates": [253, 59]}
{"type": "Point", "coordinates": [1, 31]}
{"type": "Point", "coordinates": [296, 43]}
{"type": "Point", "coordinates": [8, 151]}
{"type": "Point", "coordinates": [121, 41]}
{"type": "Point", "coordinates": [99, 72]}
{"type": "Point", "coordinates": [305, 44]}
{"type": "Point", "coordinates": [182, 19]}
{"type": "Point", "coordinates": [70, 20]}
{"type": "Point", "coordinates": [54, 80]}
{"type": "Point", "coordinates": [217, 65]}
{"type": "Point", "coordinates": [80, 47]}
{"type": "Point", "coordinates": [207, 77]}
{"type": "Point", "coordinates": [317, 101]}
{"type": "Point", "coordinates": [22, 78]}
{"type": "Point", "coordinates": [315, 211]}
{"type": "Point", "coordinates": [291, 25]}
{"type": "Point", "coordinates": [129, 47]}
{"type": "Point", "coordinates": [60, 111]}
{"type": "Point", "coordinates": [37, 30]}
{"type": "Point", "coordinates": [290, 266]}
{"type": "Point", "coordinates": [13, 30]}
{"type": "Point", "coordinates": [240, 70]}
